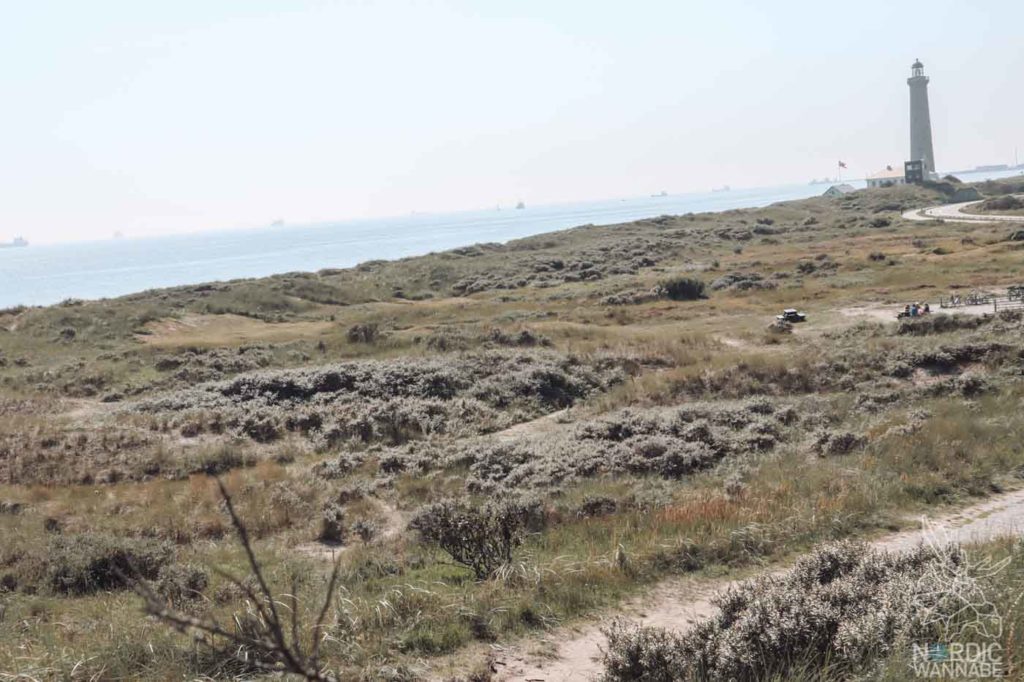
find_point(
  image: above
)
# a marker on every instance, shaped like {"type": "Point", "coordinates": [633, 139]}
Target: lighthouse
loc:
{"type": "Point", "coordinates": [920, 119]}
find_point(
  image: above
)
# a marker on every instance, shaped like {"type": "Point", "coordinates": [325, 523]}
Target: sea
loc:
{"type": "Point", "coordinates": [50, 273]}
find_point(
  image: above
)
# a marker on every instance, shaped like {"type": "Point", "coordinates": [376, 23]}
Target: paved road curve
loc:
{"type": "Point", "coordinates": [954, 213]}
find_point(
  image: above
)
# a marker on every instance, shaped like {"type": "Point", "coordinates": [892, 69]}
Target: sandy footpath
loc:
{"type": "Point", "coordinates": [675, 604]}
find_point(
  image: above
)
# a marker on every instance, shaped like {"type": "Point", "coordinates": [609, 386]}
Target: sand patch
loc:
{"type": "Point", "coordinates": [225, 330]}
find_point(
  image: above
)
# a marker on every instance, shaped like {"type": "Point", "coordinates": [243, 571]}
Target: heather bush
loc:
{"type": "Point", "coordinates": [181, 583]}
{"type": "Point", "coordinates": [365, 530]}
{"type": "Point", "coordinates": [482, 538]}
{"type": "Point", "coordinates": [683, 289]}
{"type": "Point", "coordinates": [83, 564]}
{"type": "Point", "coordinates": [733, 485]}
{"type": "Point", "coordinates": [393, 401]}
{"type": "Point", "coordinates": [215, 460]}
{"type": "Point", "coordinates": [752, 377]}
{"type": "Point", "coordinates": [966, 385]}
{"type": "Point", "coordinates": [194, 365]}
{"type": "Point", "coordinates": [830, 443]}
{"type": "Point", "coordinates": [367, 332]}
{"type": "Point", "coordinates": [742, 282]}
{"type": "Point", "coordinates": [1007, 202]}
{"type": "Point", "coordinates": [332, 524]}
{"type": "Point", "coordinates": [644, 653]}
{"type": "Point", "coordinates": [670, 445]}
{"type": "Point", "coordinates": [448, 339]}
{"type": "Point", "coordinates": [11, 508]}
{"type": "Point", "coordinates": [524, 338]}
{"type": "Point", "coordinates": [939, 324]}
{"type": "Point", "coordinates": [520, 267]}
{"type": "Point", "coordinates": [842, 605]}
{"type": "Point", "coordinates": [253, 300]}
{"type": "Point", "coordinates": [633, 297]}
{"type": "Point", "coordinates": [949, 359]}
{"type": "Point", "coordinates": [453, 339]}
{"type": "Point", "coordinates": [596, 506]}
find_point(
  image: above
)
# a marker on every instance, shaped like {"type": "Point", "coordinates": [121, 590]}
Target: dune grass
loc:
{"type": "Point", "coordinates": [926, 419]}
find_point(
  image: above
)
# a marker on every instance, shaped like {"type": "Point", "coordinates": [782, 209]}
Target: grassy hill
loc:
{"type": "Point", "coordinates": [554, 392]}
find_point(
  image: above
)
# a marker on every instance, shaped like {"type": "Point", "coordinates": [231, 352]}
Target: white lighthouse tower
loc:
{"type": "Point", "coordinates": [920, 119]}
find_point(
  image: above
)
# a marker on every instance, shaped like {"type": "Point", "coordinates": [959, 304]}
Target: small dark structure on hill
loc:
{"type": "Point", "coordinates": [913, 172]}
{"type": "Point", "coordinates": [963, 194]}
{"type": "Point", "coordinates": [838, 190]}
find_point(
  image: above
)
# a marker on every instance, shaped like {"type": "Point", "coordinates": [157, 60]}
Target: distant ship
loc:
{"type": "Point", "coordinates": [278, 223]}
{"type": "Point", "coordinates": [118, 234]}
{"type": "Point", "coordinates": [520, 205]}
{"type": "Point", "coordinates": [17, 241]}
{"type": "Point", "coordinates": [662, 193]}
{"type": "Point", "coordinates": [723, 188]}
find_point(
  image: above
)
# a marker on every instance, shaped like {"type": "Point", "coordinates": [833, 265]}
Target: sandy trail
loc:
{"type": "Point", "coordinates": [677, 603]}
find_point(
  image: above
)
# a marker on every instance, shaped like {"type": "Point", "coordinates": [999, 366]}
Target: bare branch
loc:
{"type": "Point", "coordinates": [266, 641]}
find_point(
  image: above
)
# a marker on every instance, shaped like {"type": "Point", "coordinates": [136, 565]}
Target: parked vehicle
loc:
{"type": "Point", "coordinates": [791, 315]}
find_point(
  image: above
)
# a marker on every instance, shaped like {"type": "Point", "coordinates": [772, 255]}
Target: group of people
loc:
{"type": "Point", "coordinates": [916, 310]}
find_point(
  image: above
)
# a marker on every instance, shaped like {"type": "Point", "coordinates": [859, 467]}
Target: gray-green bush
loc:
{"type": "Point", "coordinates": [841, 605]}
{"type": "Point", "coordinates": [482, 538]}
{"type": "Point", "coordinates": [683, 288]}
{"type": "Point", "coordinates": [83, 564]}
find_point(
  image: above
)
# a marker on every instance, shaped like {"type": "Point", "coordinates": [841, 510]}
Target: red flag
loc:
{"type": "Point", "coordinates": [842, 165]}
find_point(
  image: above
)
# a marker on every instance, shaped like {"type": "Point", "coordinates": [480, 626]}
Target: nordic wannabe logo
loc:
{"type": "Point", "coordinates": [952, 600]}
{"type": "Point", "coordinates": [963, 660]}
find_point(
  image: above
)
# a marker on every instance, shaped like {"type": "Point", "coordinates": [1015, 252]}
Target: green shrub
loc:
{"type": "Point", "coordinates": [684, 289]}
{"type": "Point", "coordinates": [830, 443]}
{"type": "Point", "coordinates": [181, 583]}
{"type": "Point", "coordinates": [939, 323]}
{"type": "Point", "coordinates": [332, 524]}
{"type": "Point", "coordinates": [1006, 202]}
{"type": "Point", "coordinates": [368, 332]}
{"type": "Point", "coordinates": [83, 564]}
{"type": "Point", "coordinates": [482, 538]}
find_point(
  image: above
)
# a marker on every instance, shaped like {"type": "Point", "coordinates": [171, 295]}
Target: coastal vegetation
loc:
{"type": "Point", "coordinates": [475, 446]}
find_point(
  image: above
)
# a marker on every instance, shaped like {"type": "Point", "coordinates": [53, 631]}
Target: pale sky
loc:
{"type": "Point", "coordinates": [156, 117]}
